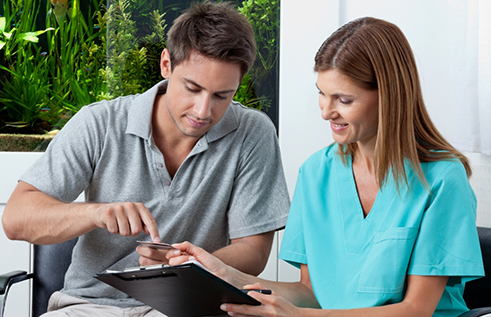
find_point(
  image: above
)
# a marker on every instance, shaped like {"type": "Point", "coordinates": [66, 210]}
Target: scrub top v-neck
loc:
{"type": "Point", "coordinates": [356, 261]}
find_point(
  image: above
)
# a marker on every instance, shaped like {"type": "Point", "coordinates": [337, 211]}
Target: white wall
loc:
{"type": "Point", "coordinates": [15, 255]}
{"type": "Point", "coordinates": [305, 25]}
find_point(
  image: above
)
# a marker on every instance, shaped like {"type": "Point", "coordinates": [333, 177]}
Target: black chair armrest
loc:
{"type": "Point", "coordinates": [6, 280]}
{"type": "Point", "coordinates": [10, 278]}
{"type": "Point", "coordinates": [476, 312]}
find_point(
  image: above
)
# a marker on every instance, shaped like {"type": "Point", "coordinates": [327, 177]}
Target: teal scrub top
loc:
{"type": "Point", "coordinates": [358, 262]}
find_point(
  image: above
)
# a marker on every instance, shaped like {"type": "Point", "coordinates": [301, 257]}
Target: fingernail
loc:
{"type": "Point", "coordinates": [223, 307]}
{"type": "Point", "coordinates": [156, 239]}
{"type": "Point", "coordinates": [192, 258]}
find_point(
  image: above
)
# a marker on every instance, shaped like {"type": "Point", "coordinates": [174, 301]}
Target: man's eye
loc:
{"type": "Point", "coordinates": [191, 89]}
{"type": "Point", "coordinates": [321, 93]}
{"type": "Point", "coordinates": [221, 97]}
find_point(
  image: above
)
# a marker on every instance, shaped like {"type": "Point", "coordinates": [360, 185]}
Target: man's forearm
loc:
{"type": "Point", "coordinates": [35, 217]}
{"type": "Point", "coordinates": [249, 254]}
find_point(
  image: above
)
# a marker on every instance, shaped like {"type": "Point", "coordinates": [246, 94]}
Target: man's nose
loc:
{"type": "Point", "coordinates": [202, 107]}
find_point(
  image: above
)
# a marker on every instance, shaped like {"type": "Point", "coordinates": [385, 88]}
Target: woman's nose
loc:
{"type": "Point", "coordinates": [328, 110]}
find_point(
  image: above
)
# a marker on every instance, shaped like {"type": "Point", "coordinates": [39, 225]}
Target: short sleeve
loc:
{"type": "Point", "coordinates": [293, 243]}
{"type": "Point", "coordinates": [447, 242]}
{"type": "Point", "coordinates": [259, 201]}
{"type": "Point", "coordinates": [65, 169]}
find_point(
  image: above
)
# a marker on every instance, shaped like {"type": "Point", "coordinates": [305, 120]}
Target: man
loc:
{"type": "Point", "coordinates": [179, 162]}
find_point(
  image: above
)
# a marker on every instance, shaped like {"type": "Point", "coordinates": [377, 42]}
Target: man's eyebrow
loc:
{"type": "Point", "coordinates": [201, 87]}
{"type": "Point", "coordinates": [193, 83]}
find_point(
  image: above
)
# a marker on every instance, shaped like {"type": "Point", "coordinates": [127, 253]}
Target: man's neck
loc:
{"type": "Point", "coordinates": [174, 145]}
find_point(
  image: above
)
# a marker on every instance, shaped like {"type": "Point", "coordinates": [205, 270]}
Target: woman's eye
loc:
{"type": "Point", "coordinates": [345, 101]}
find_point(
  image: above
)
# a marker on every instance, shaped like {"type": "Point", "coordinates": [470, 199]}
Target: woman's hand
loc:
{"type": "Point", "coordinates": [152, 256]}
{"type": "Point", "coordinates": [271, 305]}
{"type": "Point", "coordinates": [188, 252]}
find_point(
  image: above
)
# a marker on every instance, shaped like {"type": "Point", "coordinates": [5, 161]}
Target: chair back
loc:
{"type": "Point", "coordinates": [477, 293]}
{"type": "Point", "coordinates": [50, 265]}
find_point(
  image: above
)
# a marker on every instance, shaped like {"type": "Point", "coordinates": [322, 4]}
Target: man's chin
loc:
{"type": "Point", "coordinates": [193, 132]}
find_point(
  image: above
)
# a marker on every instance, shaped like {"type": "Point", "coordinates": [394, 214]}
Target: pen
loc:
{"type": "Point", "coordinates": [262, 291]}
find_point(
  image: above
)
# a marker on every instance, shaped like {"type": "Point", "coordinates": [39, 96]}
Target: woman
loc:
{"type": "Point", "coordinates": [383, 223]}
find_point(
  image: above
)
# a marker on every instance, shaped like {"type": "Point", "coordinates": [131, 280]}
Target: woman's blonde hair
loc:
{"type": "Point", "coordinates": [376, 55]}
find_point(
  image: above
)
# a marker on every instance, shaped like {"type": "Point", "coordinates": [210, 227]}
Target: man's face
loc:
{"type": "Point", "coordinates": [199, 92]}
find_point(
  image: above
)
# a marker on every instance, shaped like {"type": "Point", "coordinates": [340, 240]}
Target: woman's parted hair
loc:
{"type": "Point", "coordinates": [375, 54]}
{"type": "Point", "coordinates": [214, 30]}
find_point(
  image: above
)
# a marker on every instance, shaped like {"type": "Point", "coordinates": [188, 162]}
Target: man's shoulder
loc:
{"type": "Point", "coordinates": [111, 106]}
{"type": "Point", "coordinates": [250, 118]}
{"type": "Point", "coordinates": [243, 123]}
{"type": "Point", "coordinates": [106, 113]}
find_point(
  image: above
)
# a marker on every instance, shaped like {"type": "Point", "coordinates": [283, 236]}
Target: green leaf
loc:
{"type": "Point", "coordinates": [2, 44]}
{"type": "Point", "coordinates": [8, 35]}
{"type": "Point", "coordinates": [3, 22]}
{"type": "Point", "coordinates": [29, 36]}
{"type": "Point", "coordinates": [44, 31]}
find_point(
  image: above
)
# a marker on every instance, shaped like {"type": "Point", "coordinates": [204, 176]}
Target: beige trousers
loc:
{"type": "Point", "coordinates": [64, 305]}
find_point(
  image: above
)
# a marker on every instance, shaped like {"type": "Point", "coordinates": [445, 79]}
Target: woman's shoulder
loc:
{"type": "Point", "coordinates": [444, 170]}
{"type": "Point", "coordinates": [323, 156]}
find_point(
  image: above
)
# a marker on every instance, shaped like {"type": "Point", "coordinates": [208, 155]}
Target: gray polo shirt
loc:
{"type": "Point", "coordinates": [231, 185]}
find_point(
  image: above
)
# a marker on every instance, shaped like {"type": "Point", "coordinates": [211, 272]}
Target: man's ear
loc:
{"type": "Point", "coordinates": [165, 67]}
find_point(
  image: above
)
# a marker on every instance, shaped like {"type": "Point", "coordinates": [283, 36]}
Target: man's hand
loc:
{"type": "Point", "coordinates": [38, 218]}
{"type": "Point", "coordinates": [126, 219]}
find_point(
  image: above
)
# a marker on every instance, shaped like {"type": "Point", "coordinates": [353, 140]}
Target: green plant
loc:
{"type": "Point", "coordinates": [75, 56]}
{"type": "Point", "coordinates": [132, 60]}
{"type": "Point", "coordinates": [246, 95]}
{"type": "Point", "coordinates": [100, 53]}
{"type": "Point", "coordinates": [12, 37]}
{"type": "Point", "coordinates": [263, 16]}
{"type": "Point", "coordinates": [24, 93]}
{"type": "Point", "coordinates": [13, 33]}
{"type": "Point", "coordinates": [155, 42]}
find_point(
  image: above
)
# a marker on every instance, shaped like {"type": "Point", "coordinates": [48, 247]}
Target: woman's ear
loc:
{"type": "Point", "coordinates": [165, 67]}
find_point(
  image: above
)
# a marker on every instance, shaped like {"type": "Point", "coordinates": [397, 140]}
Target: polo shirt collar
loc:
{"type": "Point", "coordinates": [140, 112]}
{"type": "Point", "coordinates": [140, 116]}
{"type": "Point", "coordinates": [227, 124]}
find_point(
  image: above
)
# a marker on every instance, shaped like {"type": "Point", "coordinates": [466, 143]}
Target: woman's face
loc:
{"type": "Point", "coordinates": [351, 110]}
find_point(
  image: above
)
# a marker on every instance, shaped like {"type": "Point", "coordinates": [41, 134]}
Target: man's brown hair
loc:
{"type": "Point", "coordinates": [213, 30]}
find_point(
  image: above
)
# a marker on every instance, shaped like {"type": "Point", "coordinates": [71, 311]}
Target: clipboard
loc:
{"type": "Point", "coordinates": [185, 290]}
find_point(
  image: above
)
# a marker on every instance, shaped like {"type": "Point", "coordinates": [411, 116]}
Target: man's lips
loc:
{"type": "Point", "coordinates": [197, 123]}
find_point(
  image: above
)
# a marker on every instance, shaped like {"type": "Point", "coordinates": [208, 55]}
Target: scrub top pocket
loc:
{"type": "Point", "coordinates": [385, 268]}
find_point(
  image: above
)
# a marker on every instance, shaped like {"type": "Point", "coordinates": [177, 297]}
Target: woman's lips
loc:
{"type": "Point", "coordinates": [337, 127]}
